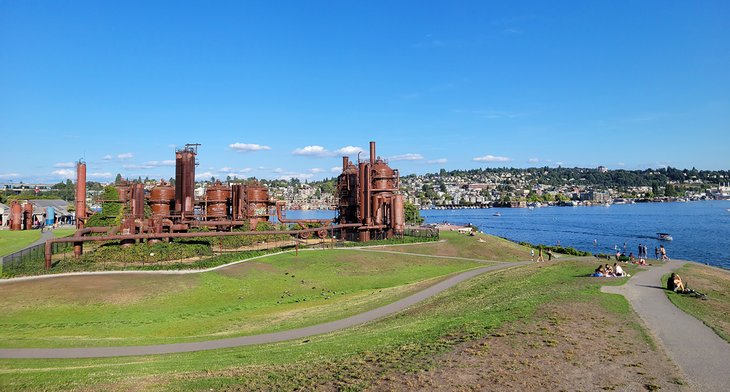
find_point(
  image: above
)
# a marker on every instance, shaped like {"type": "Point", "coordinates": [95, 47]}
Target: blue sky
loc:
{"type": "Point", "coordinates": [282, 89]}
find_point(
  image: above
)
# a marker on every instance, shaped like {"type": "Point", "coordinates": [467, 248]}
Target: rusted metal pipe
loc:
{"type": "Point", "coordinates": [48, 254]}
{"type": "Point", "coordinates": [279, 216]}
{"type": "Point", "coordinates": [80, 194]}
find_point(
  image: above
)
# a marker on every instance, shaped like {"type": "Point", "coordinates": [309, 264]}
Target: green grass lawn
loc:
{"type": "Point", "coordinates": [715, 311]}
{"type": "Point", "coordinates": [271, 294]}
{"type": "Point", "coordinates": [480, 246]}
{"type": "Point", "coordinates": [343, 359]}
{"type": "Point", "coordinates": [13, 241]}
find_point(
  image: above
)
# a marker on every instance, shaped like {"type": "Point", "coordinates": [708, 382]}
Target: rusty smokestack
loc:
{"type": "Point", "coordinates": [372, 153]}
{"type": "Point", "coordinates": [16, 216]}
{"type": "Point", "coordinates": [80, 194]}
{"type": "Point", "coordinates": [345, 163]}
{"type": "Point", "coordinates": [185, 179]}
{"type": "Point", "coordinates": [28, 215]}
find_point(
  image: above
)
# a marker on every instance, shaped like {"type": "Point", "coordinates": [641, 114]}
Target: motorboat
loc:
{"type": "Point", "coordinates": [665, 236]}
{"type": "Point", "coordinates": [497, 214]}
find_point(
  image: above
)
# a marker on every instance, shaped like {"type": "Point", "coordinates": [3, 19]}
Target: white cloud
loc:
{"type": "Point", "coordinates": [533, 160]}
{"type": "Point", "coordinates": [491, 158]}
{"type": "Point", "coordinates": [278, 170]}
{"type": "Point", "coordinates": [64, 173]}
{"type": "Point", "coordinates": [316, 170]}
{"type": "Point", "coordinates": [621, 164]}
{"type": "Point", "coordinates": [9, 175]}
{"type": "Point", "coordinates": [204, 175]}
{"type": "Point", "coordinates": [101, 175]}
{"type": "Point", "coordinates": [136, 167]}
{"type": "Point", "coordinates": [438, 161]}
{"type": "Point", "coordinates": [301, 176]}
{"type": "Point", "coordinates": [336, 169]}
{"type": "Point", "coordinates": [65, 164]}
{"type": "Point", "coordinates": [248, 147]}
{"type": "Point", "coordinates": [229, 171]}
{"type": "Point", "coordinates": [107, 157]}
{"type": "Point", "coordinates": [349, 150]}
{"type": "Point", "coordinates": [312, 151]}
{"type": "Point", "coordinates": [406, 157]}
{"type": "Point", "coordinates": [126, 155]}
{"type": "Point", "coordinates": [166, 162]}
{"type": "Point", "coordinates": [150, 165]}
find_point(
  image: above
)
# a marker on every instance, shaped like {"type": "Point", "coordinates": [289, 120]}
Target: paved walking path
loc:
{"type": "Point", "coordinates": [701, 354]}
{"type": "Point", "coordinates": [299, 333]}
{"type": "Point", "coordinates": [46, 235]}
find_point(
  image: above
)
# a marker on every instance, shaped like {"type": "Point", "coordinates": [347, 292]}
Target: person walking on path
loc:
{"type": "Point", "coordinates": [663, 252]}
{"type": "Point", "coordinates": [540, 257]}
{"type": "Point", "coordinates": [656, 253]}
{"type": "Point", "coordinates": [532, 254]}
{"type": "Point", "coordinates": [641, 250]}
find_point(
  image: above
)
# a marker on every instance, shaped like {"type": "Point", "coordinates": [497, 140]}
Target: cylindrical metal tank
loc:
{"type": "Point", "coordinates": [16, 216]}
{"type": "Point", "coordinates": [123, 191]}
{"type": "Point", "coordinates": [238, 202]}
{"type": "Point", "coordinates": [28, 215]}
{"type": "Point", "coordinates": [138, 201]}
{"type": "Point", "coordinates": [257, 197]}
{"type": "Point", "coordinates": [50, 215]}
{"type": "Point", "coordinates": [185, 180]}
{"type": "Point", "coordinates": [217, 197]}
{"type": "Point", "coordinates": [383, 177]}
{"type": "Point", "coordinates": [162, 198]}
{"type": "Point", "coordinates": [399, 217]}
{"type": "Point", "coordinates": [80, 194]}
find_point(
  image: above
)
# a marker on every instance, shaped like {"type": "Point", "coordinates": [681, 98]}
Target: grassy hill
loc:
{"type": "Point", "coordinates": [479, 246]}
{"type": "Point", "coordinates": [536, 327]}
{"type": "Point", "coordinates": [13, 241]}
{"type": "Point", "coordinates": [272, 294]}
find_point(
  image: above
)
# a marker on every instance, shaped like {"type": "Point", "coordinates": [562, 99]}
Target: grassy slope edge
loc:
{"type": "Point", "coordinates": [715, 282]}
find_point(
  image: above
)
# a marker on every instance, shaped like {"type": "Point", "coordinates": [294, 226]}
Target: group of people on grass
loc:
{"type": "Point", "coordinates": [540, 257]}
{"type": "Point", "coordinates": [609, 271]}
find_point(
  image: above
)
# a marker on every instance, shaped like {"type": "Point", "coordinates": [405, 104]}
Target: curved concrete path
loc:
{"type": "Point", "coordinates": [98, 352]}
{"type": "Point", "coordinates": [699, 352]}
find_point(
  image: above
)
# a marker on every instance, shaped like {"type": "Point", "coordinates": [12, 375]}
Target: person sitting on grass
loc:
{"type": "Point", "coordinates": [609, 271]}
{"type": "Point", "coordinates": [619, 271]}
{"type": "Point", "coordinates": [674, 283]}
{"type": "Point", "coordinates": [599, 272]}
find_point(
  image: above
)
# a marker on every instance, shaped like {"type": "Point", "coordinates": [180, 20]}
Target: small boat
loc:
{"type": "Point", "coordinates": [497, 214]}
{"type": "Point", "coordinates": [665, 236]}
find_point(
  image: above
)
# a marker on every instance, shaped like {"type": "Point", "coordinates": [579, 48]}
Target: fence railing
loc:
{"type": "Point", "coordinates": [31, 260]}
{"type": "Point", "coordinates": [31, 255]}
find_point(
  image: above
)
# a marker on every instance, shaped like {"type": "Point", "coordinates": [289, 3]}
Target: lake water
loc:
{"type": "Point", "coordinates": [701, 230]}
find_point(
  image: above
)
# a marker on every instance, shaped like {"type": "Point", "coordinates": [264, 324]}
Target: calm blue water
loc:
{"type": "Point", "coordinates": [701, 230]}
